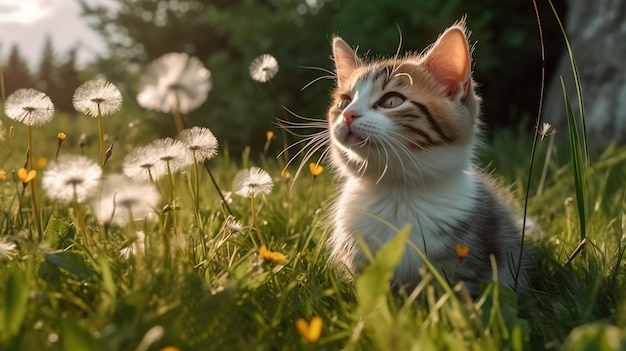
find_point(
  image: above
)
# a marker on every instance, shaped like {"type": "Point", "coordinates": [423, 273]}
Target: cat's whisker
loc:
{"type": "Point", "coordinates": [320, 69]}
{"type": "Point", "coordinates": [315, 81]}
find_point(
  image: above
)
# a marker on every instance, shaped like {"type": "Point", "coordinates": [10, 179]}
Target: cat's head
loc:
{"type": "Point", "coordinates": [404, 118]}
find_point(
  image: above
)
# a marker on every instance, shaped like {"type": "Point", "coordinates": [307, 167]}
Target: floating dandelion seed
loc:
{"type": "Point", "coordinates": [69, 176]}
{"type": "Point", "coordinates": [462, 251]}
{"type": "Point", "coordinates": [7, 249]}
{"type": "Point", "coordinates": [310, 332]}
{"type": "Point", "coordinates": [94, 95]}
{"type": "Point", "coordinates": [123, 197]}
{"type": "Point", "coordinates": [252, 182]}
{"type": "Point", "coordinates": [29, 106]}
{"type": "Point", "coordinates": [263, 68]}
{"type": "Point", "coordinates": [200, 142]}
{"type": "Point", "coordinates": [174, 81]}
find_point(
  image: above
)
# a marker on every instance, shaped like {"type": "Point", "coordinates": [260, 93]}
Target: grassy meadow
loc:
{"type": "Point", "coordinates": [213, 291]}
{"type": "Point", "coordinates": [213, 266]}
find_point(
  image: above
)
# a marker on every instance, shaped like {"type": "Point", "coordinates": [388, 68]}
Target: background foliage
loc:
{"type": "Point", "coordinates": [227, 35]}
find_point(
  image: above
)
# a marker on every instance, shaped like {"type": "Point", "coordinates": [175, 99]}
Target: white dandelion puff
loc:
{"type": "Point", "coordinates": [143, 163]}
{"type": "Point", "coordinates": [174, 82]}
{"type": "Point", "coordinates": [29, 106]}
{"type": "Point", "coordinates": [7, 249]}
{"type": "Point", "coordinates": [71, 176]}
{"type": "Point", "coordinates": [123, 197]}
{"type": "Point", "coordinates": [94, 95]}
{"type": "Point", "coordinates": [200, 142]}
{"type": "Point", "coordinates": [263, 68]}
{"type": "Point", "coordinates": [252, 182]}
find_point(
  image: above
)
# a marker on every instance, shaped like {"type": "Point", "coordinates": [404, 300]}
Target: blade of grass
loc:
{"type": "Point", "coordinates": [578, 170]}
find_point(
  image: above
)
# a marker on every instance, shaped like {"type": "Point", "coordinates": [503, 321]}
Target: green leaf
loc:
{"type": "Point", "coordinates": [373, 284]}
{"type": "Point", "coordinates": [73, 337]}
{"type": "Point", "coordinates": [578, 166]}
{"type": "Point", "coordinates": [73, 263]}
{"type": "Point", "coordinates": [595, 337]}
{"type": "Point", "coordinates": [58, 233]}
{"type": "Point", "coordinates": [14, 302]}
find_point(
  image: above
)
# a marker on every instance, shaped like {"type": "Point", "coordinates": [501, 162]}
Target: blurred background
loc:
{"type": "Point", "coordinates": [55, 45]}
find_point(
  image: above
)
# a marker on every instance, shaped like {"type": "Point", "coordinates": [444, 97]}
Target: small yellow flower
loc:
{"type": "Point", "coordinates": [462, 251]}
{"type": "Point", "coordinates": [25, 176]}
{"type": "Point", "coordinates": [3, 175]}
{"type": "Point", "coordinates": [170, 348]}
{"type": "Point", "coordinates": [310, 332]}
{"type": "Point", "coordinates": [61, 136]}
{"type": "Point", "coordinates": [42, 162]}
{"type": "Point", "coordinates": [316, 169]}
{"type": "Point", "coordinates": [285, 175]}
{"type": "Point", "coordinates": [269, 134]}
{"type": "Point", "coordinates": [271, 256]}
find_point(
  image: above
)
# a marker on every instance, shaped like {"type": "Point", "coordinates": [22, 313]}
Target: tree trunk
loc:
{"type": "Point", "coordinates": [597, 34]}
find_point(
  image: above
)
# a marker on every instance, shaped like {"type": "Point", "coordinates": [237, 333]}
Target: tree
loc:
{"type": "Point", "coordinates": [227, 35]}
{"type": "Point", "coordinates": [16, 72]}
{"type": "Point", "coordinates": [68, 81]}
{"type": "Point", "coordinates": [597, 38]}
{"type": "Point", "coordinates": [47, 79]}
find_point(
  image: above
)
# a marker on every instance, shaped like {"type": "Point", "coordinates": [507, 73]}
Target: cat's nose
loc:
{"type": "Point", "coordinates": [349, 116]}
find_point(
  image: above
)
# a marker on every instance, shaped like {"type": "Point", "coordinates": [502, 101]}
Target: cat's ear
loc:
{"type": "Point", "coordinates": [450, 62]}
{"type": "Point", "coordinates": [346, 60]}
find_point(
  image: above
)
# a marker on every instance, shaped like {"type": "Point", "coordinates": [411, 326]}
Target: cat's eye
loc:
{"type": "Point", "coordinates": [391, 101]}
{"type": "Point", "coordinates": [345, 101]}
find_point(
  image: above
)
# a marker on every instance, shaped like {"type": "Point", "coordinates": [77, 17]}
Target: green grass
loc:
{"type": "Point", "coordinates": [60, 295]}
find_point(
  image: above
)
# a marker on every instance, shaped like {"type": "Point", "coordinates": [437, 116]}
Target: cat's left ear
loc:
{"type": "Point", "coordinates": [346, 60]}
{"type": "Point", "coordinates": [450, 62]}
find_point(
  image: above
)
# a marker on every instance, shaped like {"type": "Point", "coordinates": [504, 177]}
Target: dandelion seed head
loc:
{"type": "Point", "coordinates": [174, 81]}
{"type": "Point", "coordinates": [200, 142]}
{"type": "Point", "coordinates": [121, 194]}
{"type": "Point", "coordinates": [263, 68]}
{"type": "Point", "coordinates": [7, 249]}
{"type": "Point", "coordinates": [252, 182]}
{"type": "Point", "coordinates": [93, 93]}
{"type": "Point", "coordinates": [142, 163]}
{"type": "Point", "coordinates": [29, 106]}
{"type": "Point", "coordinates": [171, 152]}
{"type": "Point", "coordinates": [71, 173]}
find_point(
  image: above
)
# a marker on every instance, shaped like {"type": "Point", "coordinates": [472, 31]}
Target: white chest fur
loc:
{"type": "Point", "coordinates": [375, 212]}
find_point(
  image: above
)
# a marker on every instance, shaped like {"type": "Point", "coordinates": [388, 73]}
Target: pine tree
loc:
{"type": "Point", "coordinates": [68, 82]}
{"type": "Point", "coordinates": [48, 74]}
{"type": "Point", "coordinates": [16, 73]}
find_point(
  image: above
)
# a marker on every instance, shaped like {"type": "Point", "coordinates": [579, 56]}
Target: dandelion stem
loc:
{"type": "Point", "coordinates": [254, 221]}
{"type": "Point", "coordinates": [81, 220]}
{"type": "Point", "coordinates": [101, 135]}
{"type": "Point", "coordinates": [206, 166]}
{"type": "Point", "coordinates": [178, 118]}
{"type": "Point", "coordinates": [196, 180]}
{"type": "Point", "coordinates": [33, 192]}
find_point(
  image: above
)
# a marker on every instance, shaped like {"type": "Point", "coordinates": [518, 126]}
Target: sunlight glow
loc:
{"type": "Point", "coordinates": [21, 11]}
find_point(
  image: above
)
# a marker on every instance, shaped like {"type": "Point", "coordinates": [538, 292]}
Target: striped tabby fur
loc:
{"type": "Point", "coordinates": [402, 137]}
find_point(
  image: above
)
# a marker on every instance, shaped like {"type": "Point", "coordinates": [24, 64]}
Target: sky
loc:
{"type": "Point", "coordinates": [26, 23]}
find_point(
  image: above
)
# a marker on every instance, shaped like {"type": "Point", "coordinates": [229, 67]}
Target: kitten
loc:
{"type": "Point", "coordinates": [402, 137]}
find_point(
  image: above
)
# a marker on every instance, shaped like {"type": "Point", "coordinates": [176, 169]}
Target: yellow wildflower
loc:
{"type": "Point", "coordinates": [271, 256]}
{"type": "Point", "coordinates": [25, 176]}
{"type": "Point", "coordinates": [462, 251]}
{"type": "Point", "coordinates": [42, 162]}
{"type": "Point", "coordinates": [3, 175]}
{"type": "Point", "coordinates": [269, 134]}
{"type": "Point", "coordinates": [61, 136]}
{"type": "Point", "coordinates": [316, 169]}
{"type": "Point", "coordinates": [310, 332]}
